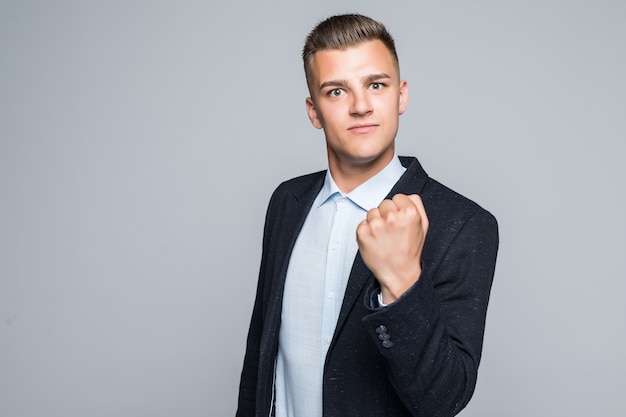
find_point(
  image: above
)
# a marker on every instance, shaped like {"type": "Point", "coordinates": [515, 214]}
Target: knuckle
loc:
{"type": "Point", "coordinates": [391, 218]}
{"type": "Point", "coordinates": [411, 212]}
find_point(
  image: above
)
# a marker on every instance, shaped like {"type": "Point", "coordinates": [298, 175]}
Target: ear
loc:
{"type": "Point", "coordinates": [404, 97]}
{"type": "Point", "coordinates": [312, 112]}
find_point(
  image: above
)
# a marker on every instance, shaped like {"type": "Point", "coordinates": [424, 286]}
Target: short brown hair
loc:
{"type": "Point", "coordinates": [341, 32]}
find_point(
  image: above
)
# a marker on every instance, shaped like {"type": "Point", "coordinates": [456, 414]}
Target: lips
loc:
{"type": "Point", "coordinates": [363, 128]}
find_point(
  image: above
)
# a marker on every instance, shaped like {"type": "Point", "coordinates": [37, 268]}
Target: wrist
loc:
{"type": "Point", "coordinates": [390, 293]}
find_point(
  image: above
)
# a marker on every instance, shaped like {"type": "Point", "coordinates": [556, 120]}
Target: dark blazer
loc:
{"type": "Point", "coordinates": [434, 332]}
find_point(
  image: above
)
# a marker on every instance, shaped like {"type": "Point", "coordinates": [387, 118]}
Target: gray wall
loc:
{"type": "Point", "coordinates": [140, 142]}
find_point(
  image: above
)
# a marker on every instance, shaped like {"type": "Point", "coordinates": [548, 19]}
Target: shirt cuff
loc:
{"type": "Point", "coordinates": [380, 300]}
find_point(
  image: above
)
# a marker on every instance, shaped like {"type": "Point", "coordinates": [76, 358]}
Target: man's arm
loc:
{"type": "Point", "coordinates": [249, 381]}
{"type": "Point", "coordinates": [431, 336]}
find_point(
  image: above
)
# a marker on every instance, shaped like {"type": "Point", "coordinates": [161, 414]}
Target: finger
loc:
{"type": "Point", "coordinates": [387, 206]}
{"type": "Point", "coordinates": [404, 202]}
{"type": "Point", "coordinates": [417, 200]}
{"type": "Point", "coordinates": [373, 214]}
{"type": "Point", "coordinates": [362, 230]}
{"type": "Point", "coordinates": [410, 207]}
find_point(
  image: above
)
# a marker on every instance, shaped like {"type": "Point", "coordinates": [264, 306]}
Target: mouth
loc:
{"type": "Point", "coordinates": [363, 128]}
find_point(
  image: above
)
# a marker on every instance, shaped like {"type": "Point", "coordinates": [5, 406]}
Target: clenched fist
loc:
{"type": "Point", "coordinates": [390, 240]}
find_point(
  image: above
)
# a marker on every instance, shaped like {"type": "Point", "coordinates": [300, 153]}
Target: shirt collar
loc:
{"type": "Point", "coordinates": [369, 194]}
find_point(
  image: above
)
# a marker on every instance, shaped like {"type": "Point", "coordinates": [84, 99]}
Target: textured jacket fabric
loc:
{"type": "Point", "coordinates": [417, 357]}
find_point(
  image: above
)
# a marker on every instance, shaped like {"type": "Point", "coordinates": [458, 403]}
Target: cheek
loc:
{"type": "Point", "coordinates": [393, 104]}
{"type": "Point", "coordinates": [329, 118]}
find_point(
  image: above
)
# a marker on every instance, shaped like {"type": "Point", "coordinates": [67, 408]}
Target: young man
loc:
{"type": "Point", "coordinates": [374, 278]}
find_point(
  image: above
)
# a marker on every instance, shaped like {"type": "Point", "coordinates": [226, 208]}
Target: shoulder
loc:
{"type": "Point", "coordinates": [299, 186]}
{"type": "Point", "coordinates": [449, 212]}
{"type": "Point", "coordinates": [443, 198]}
{"type": "Point", "coordinates": [442, 203]}
{"type": "Point", "coordinates": [301, 183]}
{"type": "Point", "coordinates": [296, 191]}
{"type": "Point", "coordinates": [456, 224]}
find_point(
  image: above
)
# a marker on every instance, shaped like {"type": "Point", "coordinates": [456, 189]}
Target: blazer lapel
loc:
{"type": "Point", "coordinates": [412, 182]}
{"type": "Point", "coordinates": [291, 217]}
{"type": "Point", "coordinates": [359, 276]}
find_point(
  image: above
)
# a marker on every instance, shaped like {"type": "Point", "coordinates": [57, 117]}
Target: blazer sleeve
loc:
{"type": "Point", "coordinates": [431, 338]}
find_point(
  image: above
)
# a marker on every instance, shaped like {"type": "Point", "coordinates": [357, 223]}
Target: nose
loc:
{"type": "Point", "coordinates": [361, 104]}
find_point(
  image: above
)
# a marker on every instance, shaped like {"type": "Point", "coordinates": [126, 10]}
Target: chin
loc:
{"type": "Point", "coordinates": [367, 159]}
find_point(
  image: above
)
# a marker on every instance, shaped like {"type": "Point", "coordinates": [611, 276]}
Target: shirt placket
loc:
{"type": "Point", "coordinates": [332, 276]}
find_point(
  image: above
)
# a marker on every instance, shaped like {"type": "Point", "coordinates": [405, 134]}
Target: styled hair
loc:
{"type": "Point", "coordinates": [341, 32]}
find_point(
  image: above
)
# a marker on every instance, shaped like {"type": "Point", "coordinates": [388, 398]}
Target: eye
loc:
{"type": "Point", "coordinates": [335, 92]}
{"type": "Point", "coordinates": [376, 86]}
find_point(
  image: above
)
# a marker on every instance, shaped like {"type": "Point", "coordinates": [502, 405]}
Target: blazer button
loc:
{"type": "Point", "coordinates": [381, 329]}
{"type": "Point", "coordinates": [387, 343]}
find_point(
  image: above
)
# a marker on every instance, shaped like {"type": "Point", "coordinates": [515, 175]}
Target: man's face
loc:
{"type": "Point", "coordinates": [357, 98]}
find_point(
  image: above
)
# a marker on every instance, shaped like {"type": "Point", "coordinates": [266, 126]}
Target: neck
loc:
{"type": "Point", "coordinates": [349, 176]}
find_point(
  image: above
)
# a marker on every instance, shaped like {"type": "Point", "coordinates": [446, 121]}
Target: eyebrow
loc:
{"type": "Point", "coordinates": [374, 77]}
{"type": "Point", "coordinates": [366, 79]}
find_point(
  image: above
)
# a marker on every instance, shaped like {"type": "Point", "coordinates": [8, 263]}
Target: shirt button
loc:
{"type": "Point", "coordinates": [334, 246]}
{"type": "Point", "coordinates": [328, 340]}
{"type": "Point", "coordinates": [331, 295]}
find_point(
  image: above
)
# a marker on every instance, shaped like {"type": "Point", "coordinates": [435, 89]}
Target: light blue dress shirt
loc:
{"type": "Point", "coordinates": [315, 285]}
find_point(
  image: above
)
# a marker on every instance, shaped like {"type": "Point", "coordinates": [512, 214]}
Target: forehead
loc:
{"type": "Point", "coordinates": [362, 59]}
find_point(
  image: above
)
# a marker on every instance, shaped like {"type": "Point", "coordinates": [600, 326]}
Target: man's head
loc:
{"type": "Point", "coordinates": [341, 32]}
{"type": "Point", "coordinates": [357, 95]}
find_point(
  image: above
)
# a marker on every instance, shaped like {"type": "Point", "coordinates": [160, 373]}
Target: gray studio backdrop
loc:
{"type": "Point", "coordinates": [140, 142]}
